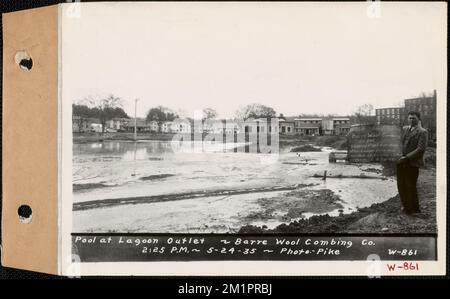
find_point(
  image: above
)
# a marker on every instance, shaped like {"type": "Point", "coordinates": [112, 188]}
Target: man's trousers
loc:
{"type": "Point", "coordinates": [406, 182]}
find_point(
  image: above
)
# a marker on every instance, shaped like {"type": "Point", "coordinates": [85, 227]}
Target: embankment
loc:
{"type": "Point", "coordinates": [386, 217]}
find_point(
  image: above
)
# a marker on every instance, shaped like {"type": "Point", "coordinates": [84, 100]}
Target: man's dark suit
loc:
{"type": "Point", "coordinates": [414, 143]}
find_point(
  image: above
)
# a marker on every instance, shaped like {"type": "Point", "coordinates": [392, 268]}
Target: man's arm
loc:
{"type": "Point", "coordinates": [421, 146]}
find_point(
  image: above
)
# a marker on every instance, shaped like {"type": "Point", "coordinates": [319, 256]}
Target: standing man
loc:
{"type": "Point", "coordinates": [414, 143]}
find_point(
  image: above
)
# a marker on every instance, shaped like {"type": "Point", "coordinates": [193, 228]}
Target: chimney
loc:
{"type": "Point", "coordinates": [434, 94]}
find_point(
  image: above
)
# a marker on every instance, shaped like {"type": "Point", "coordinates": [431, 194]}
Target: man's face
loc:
{"type": "Point", "coordinates": [413, 120]}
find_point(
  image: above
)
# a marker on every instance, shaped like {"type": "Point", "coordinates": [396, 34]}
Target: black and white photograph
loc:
{"type": "Point", "coordinates": [255, 120]}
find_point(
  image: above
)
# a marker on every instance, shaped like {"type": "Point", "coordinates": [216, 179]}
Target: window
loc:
{"type": "Point", "coordinates": [289, 129]}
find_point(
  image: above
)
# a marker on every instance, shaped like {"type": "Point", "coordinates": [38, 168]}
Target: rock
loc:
{"type": "Point", "coordinates": [384, 229]}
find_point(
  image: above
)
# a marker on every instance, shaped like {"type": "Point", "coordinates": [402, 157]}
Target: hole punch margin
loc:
{"type": "Point", "coordinates": [25, 214]}
{"type": "Point", "coordinates": [24, 60]}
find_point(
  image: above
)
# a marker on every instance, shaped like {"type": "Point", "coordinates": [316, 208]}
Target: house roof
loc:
{"type": "Point", "coordinates": [308, 118]}
{"type": "Point", "coordinates": [308, 126]}
{"type": "Point", "coordinates": [288, 119]}
{"type": "Point", "coordinates": [390, 108]}
{"type": "Point", "coordinates": [286, 122]}
{"type": "Point", "coordinates": [139, 123]}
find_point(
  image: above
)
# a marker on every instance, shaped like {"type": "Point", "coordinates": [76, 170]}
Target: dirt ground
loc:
{"type": "Point", "coordinates": [292, 141]}
{"type": "Point", "coordinates": [386, 217]}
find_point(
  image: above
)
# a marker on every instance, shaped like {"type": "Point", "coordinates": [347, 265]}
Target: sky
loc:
{"type": "Point", "coordinates": [324, 58]}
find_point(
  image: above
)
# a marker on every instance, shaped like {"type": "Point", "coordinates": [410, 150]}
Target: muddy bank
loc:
{"type": "Point", "coordinates": [88, 186]}
{"type": "Point", "coordinates": [294, 205]}
{"type": "Point", "coordinates": [86, 205]}
{"type": "Point", "coordinates": [91, 186]}
{"type": "Point", "coordinates": [305, 148]}
{"type": "Point", "coordinates": [156, 177]}
{"type": "Point", "coordinates": [336, 142]}
{"type": "Point", "coordinates": [99, 137]}
{"type": "Point", "coordinates": [385, 217]}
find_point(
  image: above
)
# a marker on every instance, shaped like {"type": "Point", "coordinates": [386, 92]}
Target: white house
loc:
{"type": "Point", "coordinates": [166, 127]}
{"type": "Point", "coordinates": [96, 128]}
{"type": "Point", "coordinates": [181, 126]}
{"type": "Point", "coordinates": [154, 126]}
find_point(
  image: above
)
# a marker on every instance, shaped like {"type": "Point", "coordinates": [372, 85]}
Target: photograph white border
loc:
{"type": "Point", "coordinates": [250, 268]}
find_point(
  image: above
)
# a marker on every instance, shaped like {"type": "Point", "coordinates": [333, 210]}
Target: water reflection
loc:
{"type": "Point", "coordinates": [127, 151]}
{"type": "Point", "coordinates": [130, 151]}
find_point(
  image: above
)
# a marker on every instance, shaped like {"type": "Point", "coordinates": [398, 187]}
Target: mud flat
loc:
{"type": "Point", "coordinates": [294, 205]}
{"type": "Point", "coordinates": [176, 196]}
{"type": "Point", "coordinates": [88, 186]}
{"type": "Point", "coordinates": [386, 217]}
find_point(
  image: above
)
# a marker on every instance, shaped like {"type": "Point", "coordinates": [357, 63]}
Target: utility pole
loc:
{"type": "Point", "coordinates": [135, 119]}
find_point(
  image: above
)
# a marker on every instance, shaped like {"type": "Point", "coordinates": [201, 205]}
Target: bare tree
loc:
{"type": "Point", "coordinates": [209, 113]}
{"type": "Point", "coordinates": [255, 111]}
{"type": "Point", "coordinates": [160, 114]}
{"type": "Point", "coordinates": [105, 108]}
{"type": "Point", "coordinates": [364, 115]}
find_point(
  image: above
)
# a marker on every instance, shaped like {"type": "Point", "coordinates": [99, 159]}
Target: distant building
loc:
{"type": "Point", "coordinates": [341, 125]}
{"type": "Point", "coordinates": [141, 126]}
{"type": "Point", "coordinates": [215, 126]}
{"type": "Point", "coordinates": [335, 126]}
{"type": "Point", "coordinates": [181, 126]}
{"type": "Point", "coordinates": [231, 127]}
{"type": "Point", "coordinates": [98, 128]}
{"type": "Point", "coordinates": [166, 127]}
{"type": "Point", "coordinates": [287, 126]}
{"type": "Point", "coordinates": [117, 123]}
{"type": "Point", "coordinates": [390, 116]}
{"type": "Point", "coordinates": [327, 126]}
{"type": "Point", "coordinates": [260, 125]}
{"type": "Point", "coordinates": [308, 126]}
{"type": "Point", "coordinates": [83, 124]}
{"type": "Point", "coordinates": [427, 108]}
{"type": "Point", "coordinates": [154, 126]}
{"type": "Point", "coordinates": [79, 124]}
{"type": "Point", "coordinates": [198, 126]}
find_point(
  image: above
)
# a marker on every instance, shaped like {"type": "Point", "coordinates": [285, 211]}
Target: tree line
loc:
{"type": "Point", "coordinates": [110, 107]}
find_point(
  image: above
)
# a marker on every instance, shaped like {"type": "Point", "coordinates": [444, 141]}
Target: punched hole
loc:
{"type": "Point", "coordinates": [25, 214]}
{"type": "Point", "coordinates": [23, 60]}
